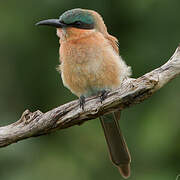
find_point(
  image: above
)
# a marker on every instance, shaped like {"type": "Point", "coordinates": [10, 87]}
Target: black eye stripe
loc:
{"type": "Point", "coordinates": [78, 24]}
{"type": "Point", "coordinates": [82, 25]}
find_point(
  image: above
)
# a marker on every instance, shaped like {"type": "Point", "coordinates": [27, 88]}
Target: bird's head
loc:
{"type": "Point", "coordinates": [77, 21]}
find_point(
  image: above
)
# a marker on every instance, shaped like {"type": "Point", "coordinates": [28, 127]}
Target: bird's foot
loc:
{"type": "Point", "coordinates": [103, 95]}
{"type": "Point", "coordinates": [82, 102]}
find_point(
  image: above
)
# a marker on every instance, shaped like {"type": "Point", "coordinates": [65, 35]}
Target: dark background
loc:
{"type": "Point", "coordinates": [148, 32]}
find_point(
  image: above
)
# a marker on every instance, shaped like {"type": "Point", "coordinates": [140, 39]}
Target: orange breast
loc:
{"type": "Point", "coordinates": [89, 63]}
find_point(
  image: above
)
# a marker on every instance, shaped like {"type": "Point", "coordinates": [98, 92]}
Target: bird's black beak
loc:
{"type": "Point", "coordinates": [51, 22]}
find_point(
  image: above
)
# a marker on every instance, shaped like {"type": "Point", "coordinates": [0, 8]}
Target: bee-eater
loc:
{"type": "Point", "coordinates": [90, 64]}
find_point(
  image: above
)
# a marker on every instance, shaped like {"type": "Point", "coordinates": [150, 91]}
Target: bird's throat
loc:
{"type": "Point", "coordinates": [71, 33]}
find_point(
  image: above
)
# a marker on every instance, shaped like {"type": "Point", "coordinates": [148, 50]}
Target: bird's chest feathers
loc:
{"type": "Point", "coordinates": [88, 64]}
{"type": "Point", "coordinates": [79, 56]}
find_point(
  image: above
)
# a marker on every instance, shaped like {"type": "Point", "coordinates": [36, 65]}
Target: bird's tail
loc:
{"type": "Point", "coordinates": [118, 149]}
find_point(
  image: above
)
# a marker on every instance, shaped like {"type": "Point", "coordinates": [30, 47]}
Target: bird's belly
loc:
{"type": "Point", "coordinates": [90, 77]}
{"type": "Point", "coordinates": [82, 78]}
{"type": "Point", "coordinates": [88, 69]}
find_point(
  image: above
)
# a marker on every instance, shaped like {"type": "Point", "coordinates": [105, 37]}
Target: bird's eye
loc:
{"type": "Point", "coordinates": [78, 23]}
{"type": "Point", "coordinates": [62, 22]}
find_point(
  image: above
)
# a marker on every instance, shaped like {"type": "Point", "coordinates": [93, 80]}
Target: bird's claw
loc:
{"type": "Point", "coordinates": [103, 95]}
{"type": "Point", "coordinates": [82, 102]}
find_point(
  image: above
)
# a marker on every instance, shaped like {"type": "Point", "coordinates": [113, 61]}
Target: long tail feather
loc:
{"type": "Point", "coordinates": [118, 149]}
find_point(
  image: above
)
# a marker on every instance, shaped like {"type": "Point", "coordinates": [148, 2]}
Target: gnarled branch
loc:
{"type": "Point", "coordinates": [133, 91]}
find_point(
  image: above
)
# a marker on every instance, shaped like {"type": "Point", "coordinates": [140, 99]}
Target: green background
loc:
{"type": "Point", "coordinates": [148, 32]}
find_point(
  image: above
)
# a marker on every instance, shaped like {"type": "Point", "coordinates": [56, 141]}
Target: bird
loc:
{"type": "Point", "coordinates": [90, 64]}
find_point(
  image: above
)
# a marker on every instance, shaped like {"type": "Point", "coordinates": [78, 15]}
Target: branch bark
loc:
{"type": "Point", "coordinates": [131, 92]}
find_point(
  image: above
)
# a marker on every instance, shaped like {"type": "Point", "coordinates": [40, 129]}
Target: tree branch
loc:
{"type": "Point", "coordinates": [131, 92]}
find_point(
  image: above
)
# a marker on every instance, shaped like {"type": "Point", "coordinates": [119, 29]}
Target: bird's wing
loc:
{"type": "Point", "coordinates": [114, 42]}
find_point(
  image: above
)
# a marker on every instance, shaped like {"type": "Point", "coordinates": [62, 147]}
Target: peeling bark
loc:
{"type": "Point", "coordinates": [133, 91]}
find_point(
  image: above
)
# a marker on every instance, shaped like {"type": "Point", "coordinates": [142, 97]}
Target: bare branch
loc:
{"type": "Point", "coordinates": [133, 91]}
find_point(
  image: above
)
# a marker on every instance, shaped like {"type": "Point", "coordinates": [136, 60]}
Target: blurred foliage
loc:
{"type": "Point", "coordinates": [148, 31]}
